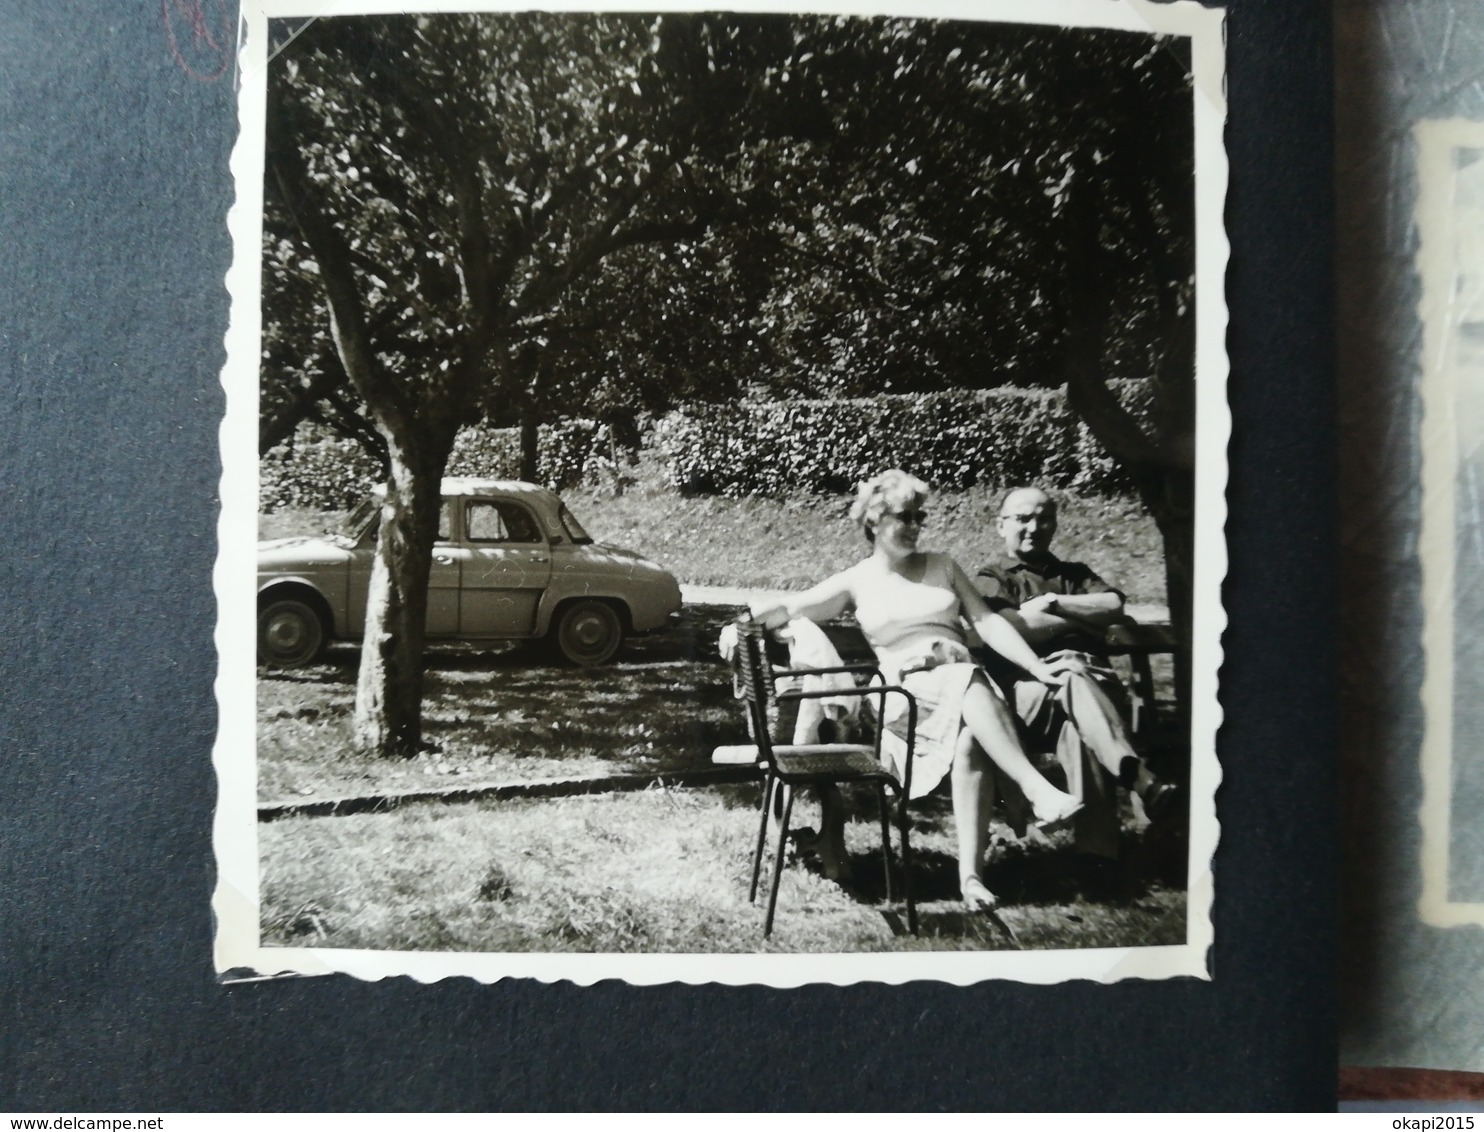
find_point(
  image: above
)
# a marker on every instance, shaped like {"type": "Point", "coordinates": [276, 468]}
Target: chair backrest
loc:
{"type": "Point", "coordinates": [754, 679]}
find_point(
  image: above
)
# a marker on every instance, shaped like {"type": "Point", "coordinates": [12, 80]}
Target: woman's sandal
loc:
{"type": "Point", "coordinates": [1060, 817]}
{"type": "Point", "coordinates": [977, 898]}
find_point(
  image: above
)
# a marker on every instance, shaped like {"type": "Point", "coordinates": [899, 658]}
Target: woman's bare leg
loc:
{"type": "Point", "coordinates": [988, 719]}
{"type": "Point", "coordinates": [973, 802]}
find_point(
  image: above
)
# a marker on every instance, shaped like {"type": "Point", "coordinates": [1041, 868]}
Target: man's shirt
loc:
{"type": "Point", "coordinates": [1009, 586]}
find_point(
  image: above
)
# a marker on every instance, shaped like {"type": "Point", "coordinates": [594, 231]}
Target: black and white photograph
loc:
{"type": "Point", "coordinates": [724, 496]}
{"type": "Point", "coordinates": [1450, 223]}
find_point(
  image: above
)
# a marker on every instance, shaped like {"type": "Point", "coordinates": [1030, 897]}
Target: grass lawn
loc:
{"type": "Point", "coordinates": [793, 543]}
{"type": "Point", "coordinates": [660, 869]}
{"type": "Point", "coordinates": [654, 870]}
{"type": "Point", "coordinates": [667, 871]}
{"type": "Point", "coordinates": [506, 716]}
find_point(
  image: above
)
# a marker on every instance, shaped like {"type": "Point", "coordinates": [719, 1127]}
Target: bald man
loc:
{"type": "Point", "coordinates": [1064, 609]}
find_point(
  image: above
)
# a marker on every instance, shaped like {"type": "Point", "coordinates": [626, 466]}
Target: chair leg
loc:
{"type": "Point", "coordinates": [788, 806]}
{"type": "Point", "coordinates": [762, 835]}
{"type": "Point", "coordinates": [907, 866]}
{"type": "Point", "coordinates": [1142, 710]}
{"type": "Point", "coordinates": [885, 836]}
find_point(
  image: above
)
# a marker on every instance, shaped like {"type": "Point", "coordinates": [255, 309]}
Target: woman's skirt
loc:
{"type": "Point", "coordinates": [939, 693]}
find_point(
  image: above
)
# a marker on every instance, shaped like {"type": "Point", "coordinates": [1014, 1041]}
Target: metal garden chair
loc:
{"type": "Point", "coordinates": [789, 766]}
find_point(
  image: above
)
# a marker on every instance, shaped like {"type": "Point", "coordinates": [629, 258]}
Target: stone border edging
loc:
{"type": "Point", "coordinates": [500, 791]}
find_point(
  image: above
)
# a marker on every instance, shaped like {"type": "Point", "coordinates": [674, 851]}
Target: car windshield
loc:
{"type": "Point", "coordinates": [366, 515]}
{"type": "Point", "coordinates": [362, 515]}
{"type": "Point", "coordinates": [574, 529]}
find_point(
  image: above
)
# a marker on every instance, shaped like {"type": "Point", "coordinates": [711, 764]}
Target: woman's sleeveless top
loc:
{"type": "Point", "coordinates": [915, 626]}
{"type": "Point", "coordinates": [900, 617]}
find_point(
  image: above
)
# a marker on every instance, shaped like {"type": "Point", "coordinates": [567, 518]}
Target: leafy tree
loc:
{"type": "Point", "coordinates": [1016, 204]}
{"type": "Point", "coordinates": [653, 327]}
{"type": "Point", "coordinates": [505, 217]}
{"type": "Point", "coordinates": [918, 242]}
{"type": "Point", "coordinates": [308, 380]}
{"type": "Point", "coordinates": [448, 180]}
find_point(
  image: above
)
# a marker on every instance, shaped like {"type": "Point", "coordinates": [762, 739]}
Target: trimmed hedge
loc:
{"type": "Point", "coordinates": [567, 453]}
{"type": "Point", "coordinates": [331, 473]}
{"type": "Point", "coordinates": [323, 475]}
{"type": "Point", "coordinates": [953, 440]}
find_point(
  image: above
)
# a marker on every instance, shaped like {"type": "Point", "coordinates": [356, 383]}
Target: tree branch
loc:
{"type": "Point", "coordinates": [345, 420]}
{"type": "Point", "coordinates": [275, 428]}
{"type": "Point", "coordinates": [286, 168]}
{"type": "Point", "coordinates": [1090, 299]}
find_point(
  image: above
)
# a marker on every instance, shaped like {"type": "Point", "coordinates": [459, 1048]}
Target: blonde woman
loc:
{"type": "Point", "coordinates": [912, 606]}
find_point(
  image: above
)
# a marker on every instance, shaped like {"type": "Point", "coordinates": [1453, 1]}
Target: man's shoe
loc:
{"type": "Point", "coordinates": [1128, 771]}
{"type": "Point", "coordinates": [1159, 800]}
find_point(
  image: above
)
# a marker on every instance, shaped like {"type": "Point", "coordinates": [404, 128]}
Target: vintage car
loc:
{"type": "Point", "coordinates": [511, 563]}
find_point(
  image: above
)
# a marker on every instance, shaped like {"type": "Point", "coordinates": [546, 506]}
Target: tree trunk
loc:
{"type": "Point", "coordinates": [388, 711]}
{"type": "Point", "coordinates": [418, 422]}
{"type": "Point", "coordinates": [528, 408]}
{"type": "Point", "coordinates": [1161, 465]}
{"type": "Point", "coordinates": [530, 442]}
{"type": "Point", "coordinates": [1173, 509]}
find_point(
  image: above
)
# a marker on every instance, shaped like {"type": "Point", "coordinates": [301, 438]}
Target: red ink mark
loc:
{"type": "Point", "coordinates": [200, 53]}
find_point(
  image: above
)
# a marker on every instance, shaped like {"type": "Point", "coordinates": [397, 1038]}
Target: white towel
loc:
{"type": "Point", "coordinates": [809, 647]}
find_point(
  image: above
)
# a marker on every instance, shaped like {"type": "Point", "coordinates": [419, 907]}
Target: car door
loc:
{"type": "Point", "coordinates": [443, 580]}
{"type": "Point", "coordinates": [506, 568]}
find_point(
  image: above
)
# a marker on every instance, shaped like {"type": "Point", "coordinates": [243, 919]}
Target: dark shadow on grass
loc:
{"type": "Point", "coordinates": [633, 709]}
{"type": "Point", "coordinates": [935, 892]}
{"type": "Point", "coordinates": [744, 796]}
{"type": "Point", "coordinates": [482, 658]}
{"type": "Point", "coordinates": [678, 686]}
{"type": "Point", "coordinates": [934, 876]}
{"type": "Point", "coordinates": [1020, 873]}
{"type": "Point", "coordinates": [319, 674]}
{"type": "Point", "coordinates": [690, 637]}
{"type": "Point", "coordinates": [1063, 876]}
{"type": "Point", "coordinates": [1161, 853]}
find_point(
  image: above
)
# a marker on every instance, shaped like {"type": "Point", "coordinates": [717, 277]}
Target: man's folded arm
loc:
{"type": "Point", "coordinates": [1098, 610]}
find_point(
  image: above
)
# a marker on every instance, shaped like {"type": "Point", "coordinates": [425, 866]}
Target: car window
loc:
{"type": "Point", "coordinates": [491, 521]}
{"type": "Point", "coordinates": [364, 514]}
{"type": "Point", "coordinates": [445, 520]}
{"type": "Point", "coordinates": [574, 529]}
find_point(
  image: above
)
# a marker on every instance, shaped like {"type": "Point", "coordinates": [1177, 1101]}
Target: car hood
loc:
{"type": "Point", "coordinates": [620, 558]}
{"type": "Point", "coordinates": [303, 551]}
{"type": "Point", "coordinates": [608, 550]}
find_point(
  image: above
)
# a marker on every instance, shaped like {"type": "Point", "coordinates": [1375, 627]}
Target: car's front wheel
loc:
{"type": "Point", "coordinates": [290, 634]}
{"type": "Point", "coordinates": [587, 632]}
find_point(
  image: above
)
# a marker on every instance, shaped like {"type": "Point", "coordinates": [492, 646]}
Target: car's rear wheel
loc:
{"type": "Point", "coordinates": [587, 632]}
{"type": "Point", "coordinates": [290, 634]}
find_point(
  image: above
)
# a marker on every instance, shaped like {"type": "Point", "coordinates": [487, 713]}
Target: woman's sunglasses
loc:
{"type": "Point", "coordinates": [918, 517]}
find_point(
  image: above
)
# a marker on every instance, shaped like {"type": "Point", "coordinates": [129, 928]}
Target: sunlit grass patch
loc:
{"type": "Point", "coordinates": [793, 543]}
{"type": "Point", "coordinates": [654, 871]}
